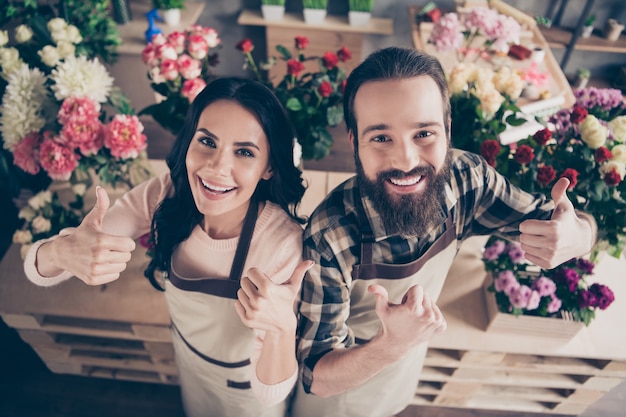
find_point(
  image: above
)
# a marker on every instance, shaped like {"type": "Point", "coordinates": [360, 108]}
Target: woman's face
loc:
{"type": "Point", "coordinates": [227, 157]}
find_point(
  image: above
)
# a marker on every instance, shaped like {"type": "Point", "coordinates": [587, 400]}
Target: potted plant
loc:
{"type": "Point", "coordinates": [613, 29]}
{"type": "Point", "coordinates": [169, 10]}
{"type": "Point", "coordinates": [360, 12]}
{"type": "Point", "coordinates": [582, 77]}
{"type": "Point", "coordinates": [314, 11]}
{"type": "Point", "coordinates": [588, 26]}
{"type": "Point", "coordinates": [273, 9]}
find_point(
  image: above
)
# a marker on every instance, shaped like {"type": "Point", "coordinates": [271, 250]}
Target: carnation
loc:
{"type": "Point", "coordinates": [123, 137]}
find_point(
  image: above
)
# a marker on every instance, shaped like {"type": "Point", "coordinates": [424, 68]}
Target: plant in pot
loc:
{"type": "Point", "coordinates": [314, 11]}
{"type": "Point", "coordinates": [273, 9]}
{"type": "Point", "coordinates": [360, 12]}
{"type": "Point", "coordinates": [169, 10]}
{"type": "Point", "coordinates": [588, 26]}
{"type": "Point", "coordinates": [582, 77]}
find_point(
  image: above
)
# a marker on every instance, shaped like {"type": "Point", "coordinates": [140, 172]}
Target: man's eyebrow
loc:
{"type": "Point", "coordinates": [384, 126]}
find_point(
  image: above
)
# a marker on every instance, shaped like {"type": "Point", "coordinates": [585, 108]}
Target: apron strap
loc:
{"type": "Point", "coordinates": [241, 253]}
{"type": "Point", "coordinates": [367, 235]}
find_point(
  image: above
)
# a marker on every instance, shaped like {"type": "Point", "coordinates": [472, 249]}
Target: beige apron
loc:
{"type": "Point", "coordinates": [391, 390]}
{"type": "Point", "coordinates": [215, 369]}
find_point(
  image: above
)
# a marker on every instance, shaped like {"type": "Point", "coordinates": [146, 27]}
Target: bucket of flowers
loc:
{"type": "Point", "coordinates": [517, 289]}
{"type": "Point", "coordinates": [313, 100]}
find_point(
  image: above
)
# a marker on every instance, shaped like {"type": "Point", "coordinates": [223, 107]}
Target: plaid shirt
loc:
{"type": "Point", "coordinates": [480, 201]}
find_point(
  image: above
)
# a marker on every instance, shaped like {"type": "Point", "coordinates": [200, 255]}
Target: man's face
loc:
{"type": "Point", "coordinates": [401, 160]}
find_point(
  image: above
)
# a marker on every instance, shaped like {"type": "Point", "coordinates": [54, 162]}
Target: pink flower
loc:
{"type": "Point", "coordinates": [57, 160]}
{"type": "Point", "coordinates": [158, 39]}
{"type": "Point", "coordinates": [210, 35]}
{"type": "Point", "coordinates": [506, 282]}
{"type": "Point", "coordinates": [533, 300]}
{"type": "Point", "coordinates": [177, 41]}
{"type": "Point", "coordinates": [198, 47]}
{"type": "Point", "coordinates": [169, 69]}
{"type": "Point", "coordinates": [191, 88]}
{"type": "Point", "coordinates": [26, 153]}
{"type": "Point", "coordinates": [166, 51]}
{"type": "Point", "coordinates": [568, 277]}
{"type": "Point", "coordinates": [544, 286]}
{"type": "Point", "coordinates": [514, 249]}
{"type": "Point", "coordinates": [519, 297]}
{"type": "Point", "coordinates": [554, 305]}
{"type": "Point", "coordinates": [123, 136]}
{"type": "Point", "coordinates": [446, 33]}
{"type": "Point", "coordinates": [603, 294]}
{"type": "Point", "coordinates": [189, 68]}
{"type": "Point", "coordinates": [586, 299]}
{"type": "Point", "coordinates": [81, 108]}
{"type": "Point", "coordinates": [149, 55]}
{"type": "Point", "coordinates": [84, 134]}
{"type": "Point", "coordinates": [492, 252]}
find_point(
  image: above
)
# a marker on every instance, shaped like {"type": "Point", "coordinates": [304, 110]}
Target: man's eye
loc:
{"type": "Point", "coordinates": [207, 141]}
{"type": "Point", "coordinates": [380, 139]}
{"type": "Point", "coordinates": [423, 134]}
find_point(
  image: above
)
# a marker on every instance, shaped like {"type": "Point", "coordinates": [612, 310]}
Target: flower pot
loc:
{"type": "Point", "coordinates": [272, 12]}
{"type": "Point", "coordinates": [359, 18]}
{"type": "Point", "coordinates": [314, 16]}
{"type": "Point", "coordinates": [581, 82]}
{"type": "Point", "coordinates": [171, 17]}
{"type": "Point", "coordinates": [587, 31]}
{"type": "Point", "coordinates": [547, 327]}
{"type": "Point", "coordinates": [613, 29]}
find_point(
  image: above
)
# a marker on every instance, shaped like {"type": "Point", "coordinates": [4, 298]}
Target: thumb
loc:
{"type": "Point", "coordinates": [561, 202]}
{"type": "Point", "coordinates": [298, 274]}
{"type": "Point", "coordinates": [382, 296]}
{"type": "Point", "coordinates": [96, 215]}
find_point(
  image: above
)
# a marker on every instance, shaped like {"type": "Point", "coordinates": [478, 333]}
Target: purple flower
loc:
{"type": "Point", "coordinates": [533, 300]}
{"type": "Point", "coordinates": [492, 252]}
{"type": "Point", "coordinates": [519, 297]}
{"type": "Point", "coordinates": [555, 304]}
{"type": "Point", "coordinates": [506, 282]}
{"type": "Point", "coordinates": [604, 295]}
{"type": "Point", "coordinates": [585, 265]}
{"type": "Point", "coordinates": [515, 252]}
{"type": "Point", "coordinates": [544, 286]}
{"type": "Point", "coordinates": [568, 277]}
{"type": "Point", "coordinates": [586, 299]}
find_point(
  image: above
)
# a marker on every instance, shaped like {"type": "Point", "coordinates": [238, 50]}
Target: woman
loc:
{"type": "Point", "coordinates": [227, 235]}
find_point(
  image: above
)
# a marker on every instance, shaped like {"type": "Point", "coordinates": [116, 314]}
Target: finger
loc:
{"type": "Point", "coordinates": [96, 215]}
{"type": "Point", "coordinates": [537, 260]}
{"type": "Point", "coordinates": [426, 308]}
{"type": "Point", "coordinates": [559, 195]}
{"type": "Point", "coordinates": [100, 279]}
{"type": "Point", "coordinates": [534, 227]}
{"type": "Point", "coordinates": [241, 312]}
{"type": "Point", "coordinates": [119, 244]}
{"type": "Point", "coordinates": [382, 297]}
{"type": "Point", "coordinates": [414, 298]}
{"type": "Point", "coordinates": [258, 279]}
{"type": "Point", "coordinates": [248, 287]}
{"type": "Point", "coordinates": [298, 274]}
{"type": "Point", "coordinates": [244, 299]}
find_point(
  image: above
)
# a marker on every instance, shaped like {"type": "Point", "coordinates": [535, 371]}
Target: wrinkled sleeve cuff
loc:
{"type": "Point", "coordinates": [30, 266]}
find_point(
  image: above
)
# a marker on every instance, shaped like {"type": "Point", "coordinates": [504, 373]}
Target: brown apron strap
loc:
{"type": "Point", "coordinates": [245, 238]}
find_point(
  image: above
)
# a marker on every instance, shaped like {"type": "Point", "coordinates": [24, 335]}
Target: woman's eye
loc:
{"type": "Point", "coordinates": [207, 141]}
{"type": "Point", "coordinates": [245, 152]}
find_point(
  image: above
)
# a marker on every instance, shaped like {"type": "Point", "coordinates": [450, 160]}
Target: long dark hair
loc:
{"type": "Point", "coordinates": [177, 215]}
{"type": "Point", "coordinates": [394, 63]}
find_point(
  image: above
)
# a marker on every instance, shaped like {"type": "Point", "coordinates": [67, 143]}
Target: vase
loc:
{"type": "Point", "coordinates": [587, 31]}
{"type": "Point", "coordinates": [548, 327]}
{"type": "Point", "coordinates": [314, 16]}
{"type": "Point", "coordinates": [613, 30]}
{"type": "Point", "coordinates": [359, 18]}
{"type": "Point", "coordinates": [171, 17]}
{"type": "Point", "coordinates": [272, 12]}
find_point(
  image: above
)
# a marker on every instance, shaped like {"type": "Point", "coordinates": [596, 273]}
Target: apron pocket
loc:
{"type": "Point", "coordinates": [238, 385]}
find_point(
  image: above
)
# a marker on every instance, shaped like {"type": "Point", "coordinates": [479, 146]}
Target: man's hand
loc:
{"type": "Point", "coordinates": [549, 243]}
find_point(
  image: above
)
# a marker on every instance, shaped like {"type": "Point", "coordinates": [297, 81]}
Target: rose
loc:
{"type": "Point", "coordinates": [489, 149]}
{"type": "Point", "coordinates": [188, 67]}
{"type": "Point", "coordinates": [169, 69]}
{"type": "Point", "coordinates": [619, 128]}
{"type": "Point", "coordinates": [572, 175]}
{"type": "Point", "coordinates": [545, 175]}
{"type": "Point", "coordinates": [4, 37]}
{"type": "Point", "coordinates": [524, 154]}
{"type": "Point", "coordinates": [542, 136]}
{"type": "Point", "coordinates": [177, 41]}
{"type": "Point", "coordinates": [198, 47]}
{"type": "Point", "coordinates": [41, 225]}
{"type": "Point", "coordinates": [294, 67]}
{"type": "Point", "coordinates": [49, 55]}
{"type": "Point", "coordinates": [578, 114]}
{"type": "Point", "coordinates": [301, 42]}
{"type": "Point", "coordinates": [245, 46]}
{"type": "Point", "coordinates": [23, 34]}
{"type": "Point", "coordinates": [330, 60]}
{"type": "Point", "coordinates": [191, 88]}
{"type": "Point", "coordinates": [490, 101]}
{"type": "Point", "coordinates": [592, 132]}
{"type": "Point", "coordinates": [613, 166]}
{"type": "Point", "coordinates": [619, 153]}
{"type": "Point", "coordinates": [603, 154]}
{"type": "Point", "coordinates": [325, 89]}
{"type": "Point", "coordinates": [344, 54]}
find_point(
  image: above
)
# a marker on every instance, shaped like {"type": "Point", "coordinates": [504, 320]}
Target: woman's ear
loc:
{"type": "Point", "coordinates": [268, 174]}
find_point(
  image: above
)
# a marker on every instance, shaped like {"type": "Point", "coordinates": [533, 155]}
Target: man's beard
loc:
{"type": "Point", "coordinates": [406, 214]}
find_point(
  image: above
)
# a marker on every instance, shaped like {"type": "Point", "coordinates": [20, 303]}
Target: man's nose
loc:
{"type": "Point", "coordinates": [406, 155]}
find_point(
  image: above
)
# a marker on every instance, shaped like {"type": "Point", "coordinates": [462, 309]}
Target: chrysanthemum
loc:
{"type": "Point", "coordinates": [80, 77]}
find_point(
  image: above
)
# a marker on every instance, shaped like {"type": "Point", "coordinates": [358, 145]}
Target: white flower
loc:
{"type": "Point", "coordinates": [22, 104]}
{"type": "Point", "coordinates": [79, 189]}
{"type": "Point", "coordinates": [80, 77]}
{"type": "Point", "coordinates": [27, 213]}
{"type": "Point", "coordinates": [619, 128]}
{"type": "Point", "coordinates": [612, 165]}
{"type": "Point", "coordinates": [9, 60]}
{"type": "Point", "coordinates": [73, 35]}
{"type": "Point", "coordinates": [41, 225]}
{"type": "Point", "coordinates": [619, 153]}
{"type": "Point", "coordinates": [155, 75]}
{"type": "Point", "coordinates": [297, 153]}
{"type": "Point", "coordinates": [22, 236]}
{"type": "Point", "coordinates": [508, 82]}
{"type": "Point", "coordinates": [49, 55]}
{"type": "Point", "coordinates": [65, 49]}
{"type": "Point", "coordinates": [592, 132]}
{"type": "Point", "coordinates": [460, 76]}
{"type": "Point", "coordinates": [23, 34]}
{"type": "Point", "coordinates": [24, 251]}
{"type": "Point", "coordinates": [56, 24]}
{"type": "Point", "coordinates": [4, 37]}
{"type": "Point", "coordinates": [490, 101]}
{"type": "Point", "coordinates": [40, 199]}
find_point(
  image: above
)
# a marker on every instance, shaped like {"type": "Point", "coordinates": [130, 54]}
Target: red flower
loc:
{"type": "Point", "coordinates": [294, 67]}
{"type": "Point", "coordinates": [603, 294]}
{"type": "Point", "coordinates": [245, 46]}
{"type": "Point", "coordinates": [572, 175]}
{"type": "Point", "coordinates": [489, 149]}
{"type": "Point", "coordinates": [344, 54]}
{"type": "Point", "coordinates": [612, 178]}
{"type": "Point", "coordinates": [343, 86]}
{"type": "Point", "coordinates": [545, 175]}
{"type": "Point", "coordinates": [543, 136]}
{"type": "Point", "coordinates": [325, 89]}
{"type": "Point", "coordinates": [524, 154]}
{"type": "Point", "coordinates": [603, 154]}
{"type": "Point", "coordinates": [330, 60]}
{"type": "Point", "coordinates": [301, 42]}
{"type": "Point", "coordinates": [578, 114]}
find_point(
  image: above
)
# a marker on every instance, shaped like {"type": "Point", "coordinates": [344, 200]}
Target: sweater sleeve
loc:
{"type": "Point", "coordinates": [30, 265]}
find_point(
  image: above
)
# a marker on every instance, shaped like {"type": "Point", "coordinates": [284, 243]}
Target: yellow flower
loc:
{"type": "Point", "coordinates": [619, 128]}
{"type": "Point", "coordinates": [619, 153]}
{"type": "Point", "coordinates": [592, 132]}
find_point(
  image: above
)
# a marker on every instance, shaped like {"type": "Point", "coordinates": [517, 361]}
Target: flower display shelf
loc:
{"type": "Point", "coordinates": [551, 327]}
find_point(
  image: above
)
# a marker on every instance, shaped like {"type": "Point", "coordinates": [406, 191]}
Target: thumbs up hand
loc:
{"type": "Point", "coordinates": [265, 305]}
{"type": "Point", "coordinates": [568, 234]}
{"type": "Point", "coordinates": [90, 254]}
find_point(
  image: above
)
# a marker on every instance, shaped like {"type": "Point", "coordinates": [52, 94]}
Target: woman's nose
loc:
{"type": "Point", "coordinates": [220, 162]}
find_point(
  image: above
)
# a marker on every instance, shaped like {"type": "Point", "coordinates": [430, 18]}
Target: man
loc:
{"type": "Point", "coordinates": [383, 241]}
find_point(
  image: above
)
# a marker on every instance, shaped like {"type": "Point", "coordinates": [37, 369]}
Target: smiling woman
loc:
{"type": "Point", "coordinates": [226, 238]}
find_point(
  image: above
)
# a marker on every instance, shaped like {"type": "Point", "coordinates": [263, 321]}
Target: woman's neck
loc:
{"type": "Point", "coordinates": [228, 225]}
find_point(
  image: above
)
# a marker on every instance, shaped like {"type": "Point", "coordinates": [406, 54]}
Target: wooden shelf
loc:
{"type": "Point", "coordinates": [335, 23]}
{"type": "Point", "coordinates": [557, 37]}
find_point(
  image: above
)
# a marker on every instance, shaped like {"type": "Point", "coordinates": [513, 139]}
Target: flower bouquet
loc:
{"type": "Point", "coordinates": [179, 68]}
{"type": "Point", "coordinates": [524, 289]}
{"type": "Point", "coordinates": [313, 100]}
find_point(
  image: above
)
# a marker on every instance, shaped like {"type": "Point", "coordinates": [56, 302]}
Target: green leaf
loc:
{"type": "Point", "coordinates": [513, 120]}
{"type": "Point", "coordinates": [334, 115]}
{"type": "Point", "coordinates": [284, 52]}
{"type": "Point", "coordinates": [293, 104]}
